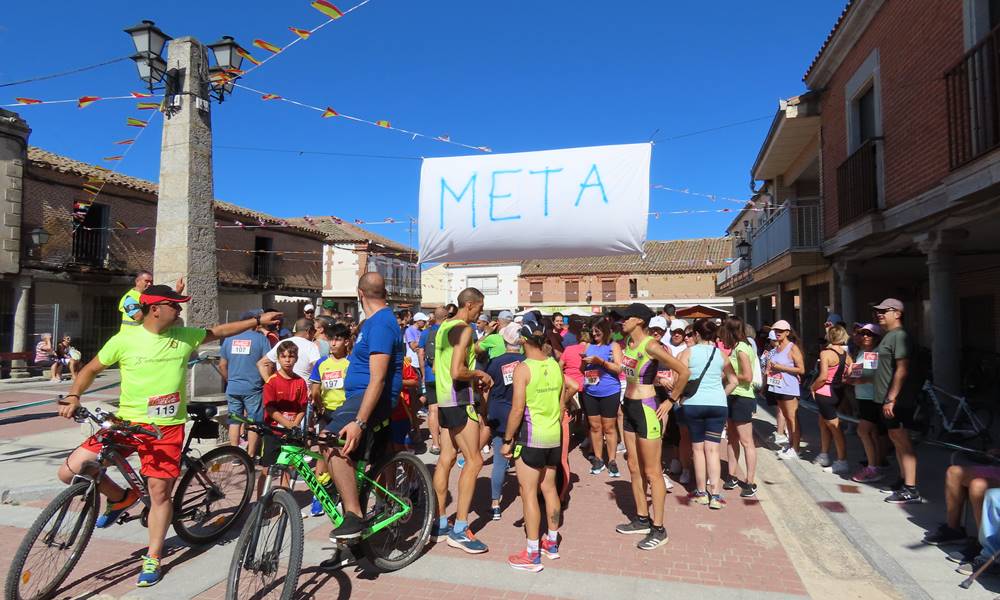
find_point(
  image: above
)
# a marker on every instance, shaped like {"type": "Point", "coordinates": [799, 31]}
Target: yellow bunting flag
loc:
{"type": "Point", "coordinates": [329, 112]}
{"type": "Point", "coordinates": [246, 55]}
{"type": "Point", "coordinates": [266, 46]}
{"type": "Point", "coordinates": [124, 143]}
{"type": "Point", "coordinates": [133, 122]}
{"type": "Point", "coordinates": [327, 9]}
{"type": "Point", "coordinates": [270, 97]}
{"type": "Point", "coordinates": [113, 158]}
{"type": "Point", "coordinates": [383, 124]}
{"type": "Point", "coordinates": [28, 101]}
{"type": "Point", "coordinates": [91, 188]}
{"type": "Point", "coordinates": [148, 105]}
{"type": "Point", "coordinates": [141, 95]}
{"type": "Point", "coordinates": [120, 224]}
{"type": "Point", "coordinates": [302, 33]}
{"type": "Point", "coordinates": [235, 72]}
{"type": "Point", "coordinates": [85, 101]}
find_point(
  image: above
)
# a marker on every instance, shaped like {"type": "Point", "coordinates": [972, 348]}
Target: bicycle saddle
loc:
{"type": "Point", "coordinates": [202, 411]}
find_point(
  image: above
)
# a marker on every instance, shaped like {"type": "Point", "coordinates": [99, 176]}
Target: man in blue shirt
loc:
{"type": "Point", "coordinates": [425, 349]}
{"type": "Point", "coordinates": [372, 385]}
{"type": "Point", "coordinates": [238, 365]}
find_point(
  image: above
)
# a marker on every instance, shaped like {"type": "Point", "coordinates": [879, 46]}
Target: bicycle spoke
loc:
{"type": "Point", "coordinates": [213, 496]}
{"type": "Point", "coordinates": [59, 542]}
{"type": "Point", "coordinates": [262, 573]}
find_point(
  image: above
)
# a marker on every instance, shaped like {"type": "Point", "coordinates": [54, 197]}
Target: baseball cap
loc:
{"type": "Point", "coordinates": [511, 333]}
{"type": "Point", "coordinates": [782, 324]}
{"type": "Point", "coordinates": [658, 322]}
{"type": "Point", "coordinates": [329, 304]}
{"type": "Point", "coordinates": [308, 308]}
{"type": "Point", "coordinates": [889, 304]}
{"type": "Point", "coordinates": [834, 318]}
{"type": "Point", "coordinates": [420, 317]}
{"type": "Point", "coordinates": [156, 294]}
{"type": "Point", "coordinates": [506, 315]}
{"type": "Point", "coordinates": [251, 314]}
{"type": "Point", "coordinates": [637, 310]}
{"type": "Point", "coordinates": [872, 327]}
{"type": "Point", "coordinates": [678, 324]}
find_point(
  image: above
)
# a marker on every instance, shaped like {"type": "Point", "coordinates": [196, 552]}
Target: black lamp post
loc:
{"type": "Point", "coordinates": [743, 250]}
{"type": "Point", "coordinates": [228, 62]}
{"type": "Point", "coordinates": [38, 238]}
{"type": "Point", "coordinates": [149, 42]}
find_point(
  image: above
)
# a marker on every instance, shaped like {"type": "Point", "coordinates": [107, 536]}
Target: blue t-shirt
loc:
{"type": "Point", "coordinates": [242, 353]}
{"type": "Point", "coordinates": [569, 340]}
{"type": "Point", "coordinates": [501, 369]}
{"type": "Point", "coordinates": [427, 366]}
{"type": "Point", "coordinates": [379, 334]}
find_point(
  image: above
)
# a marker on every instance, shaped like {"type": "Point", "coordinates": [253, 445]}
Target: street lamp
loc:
{"type": "Point", "coordinates": [743, 250]}
{"type": "Point", "coordinates": [38, 237]}
{"type": "Point", "coordinates": [228, 61]}
{"type": "Point", "coordinates": [149, 42]}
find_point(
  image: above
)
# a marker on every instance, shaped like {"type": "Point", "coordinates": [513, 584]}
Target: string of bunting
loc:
{"type": "Point", "coordinates": [329, 112]}
{"type": "Point", "coordinates": [712, 197]}
{"type": "Point", "coordinates": [80, 101]}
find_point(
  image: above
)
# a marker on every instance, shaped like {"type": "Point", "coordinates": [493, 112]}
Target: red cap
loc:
{"type": "Point", "coordinates": [156, 294]}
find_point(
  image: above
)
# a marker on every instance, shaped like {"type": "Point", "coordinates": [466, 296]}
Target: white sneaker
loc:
{"type": "Point", "coordinates": [668, 483]}
{"type": "Point", "coordinates": [840, 467]}
{"type": "Point", "coordinates": [780, 439]}
{"type": "Point", "coordinates": [788, 454]}
{"type": "Point", "coordinates": [685, 477]}
{"type": "Point", "coordinates": [621, 448]}
{"type": "Point", "coordinates": [675, 466]}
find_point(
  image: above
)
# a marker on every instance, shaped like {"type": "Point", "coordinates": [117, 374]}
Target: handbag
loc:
{"type": "Point", "coordinates": [691, 387]}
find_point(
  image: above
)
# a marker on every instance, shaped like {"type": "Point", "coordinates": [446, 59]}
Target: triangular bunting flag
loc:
{"type": "Point", "coordinates": [141, 95]}
{"type": "Point", "coordinates": [266, 46]}
{"type": "Point", "coordinates": [113, 158]}
{"type": "Point", "coordinates": [383, 124]}
{"type": "Point", "coordinates": [327, 9]}
{"type": "Point", "coordinates": [28, 101]}
{"type": "Point", "coordinates": [147, 105]}
{"type": "Point", "coordinates": [247, 55]}
{"type": "Point", "coordinates": [270, 97]}
{"type": "Point", "coordinates": [124, 143]}
{"type": "Point", "coordinates": [133, 122]}
{"type": "Point", "coordinates": [85, 101]}
{"type": "Point", "coordinates": [302, 33]}
{"type": "Point", "coordinates": [329, 112]}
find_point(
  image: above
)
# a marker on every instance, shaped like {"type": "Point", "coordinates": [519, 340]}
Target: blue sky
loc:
{"type": "Point", "coordinates": [514, 76]}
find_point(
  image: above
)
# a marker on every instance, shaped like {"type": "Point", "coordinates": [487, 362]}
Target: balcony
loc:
{"type": "Point", "coordinates": [857, 183]}
{"type": "Point", "coordinates": [972, 90]}
{"type": "Point", "coordinates": [90, 247]}
{"type": "Point", "coordinates": [737, 267]}
{"type": "Point", "coordinates": [791, 228]}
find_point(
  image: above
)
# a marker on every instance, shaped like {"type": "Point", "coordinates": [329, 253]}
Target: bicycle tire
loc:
{"type": "Point", "coordinates": [281, 498]}
{"type": "Point", "coordinates": [16, 577]}
{"type": "Point", "coordinates": [424, 509]}
{"type": "Point", "coordinates": [192, 533]}
{"type": "Point", "coordinates": [983, 420]}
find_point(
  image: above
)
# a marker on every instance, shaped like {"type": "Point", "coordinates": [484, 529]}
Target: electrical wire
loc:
{"type": "Point", "coordinates": [64, 73]}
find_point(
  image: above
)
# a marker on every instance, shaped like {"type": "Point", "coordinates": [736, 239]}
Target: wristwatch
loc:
{"type": "Point", "coordinates": [362, 424]}
{"type": "Point", "coordinates": [258, 319]}
{"type": "Point", "coordinates": [508, 442]}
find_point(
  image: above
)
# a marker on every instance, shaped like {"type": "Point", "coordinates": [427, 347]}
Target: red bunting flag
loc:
{"type": "Point", "coordinates": [246, 55]}
{"type": "Point", "coordinates": [329, 112]}
{"type": "Point", "coordinates": [266, 46]}
{"type": "Point", "coordinates": [141, 95]}
{"type": "Point", "coordinates": [390, 220]}
{"type": "Point", "coordinates": [309, 220]}
{"type": "Point", "coordinates": [270, 97]}
{"type": "Point", "coordinates": [124, 143]}
{"type": "Point", "coordinates": [133, 122]}
{"type": "Point", "coordinates": [241, 225]}
{"type": "Point", "coordinates": [302, 33]}
{"type": "Point", "coordinates": [327, 9]}
{"type": "Point", "coordinates": [484, 148]}
{"type": "Point", "coordinates": [359, 222]}
{"type": "Point", "coordinates": [337, 220]}
{"type": "Point", "coordinates": [383, 124]}
{"type": "Point", "coordinates": [147, 105]}
{"type": "Point", "coordinates": [236, 72]}
{"type": "Point", "coordinates": [113, 158]}
{"type": "Point", "coordinates": [28, 101]}
{"type": "Point", "coordinates": [85, 101]}
{"type": "Point", "coordinates": [140, 230]}
{"type": "Point", "coordinates": [443, 138]}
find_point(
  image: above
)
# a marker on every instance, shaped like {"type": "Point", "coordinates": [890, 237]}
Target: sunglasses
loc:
{"type": "Point", "coordinates": [689, 334]}
{"type": "Point", "coordinates": [884, 311]}
{"type": "Point", "coordinates": [779, 331]}
{"type": "Point", "coordinates": [173, 305]}
{"type": "Point", "coordinates": [867, 333]}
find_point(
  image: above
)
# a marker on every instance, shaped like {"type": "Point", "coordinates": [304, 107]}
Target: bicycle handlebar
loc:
{"type": "Point", "coordinates": [110, 422]}
{"type": "Point", "coordinates": [291, 436]}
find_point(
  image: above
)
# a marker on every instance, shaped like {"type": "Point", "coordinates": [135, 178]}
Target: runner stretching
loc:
{"type": "Point", "coordinates": [152, 359]}
{"type": "Point", "coordinates": [455, 377]}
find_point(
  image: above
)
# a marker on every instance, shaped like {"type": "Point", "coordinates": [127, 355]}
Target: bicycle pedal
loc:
{"type": "Point", "coordinates": [124, 518]}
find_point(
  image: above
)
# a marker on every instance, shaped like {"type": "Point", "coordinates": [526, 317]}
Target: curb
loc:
{"type": "Point", "coordinates": [29, 492]}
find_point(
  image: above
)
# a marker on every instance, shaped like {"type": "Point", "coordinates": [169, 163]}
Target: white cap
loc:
{"type": "Point", "coordinates": [658, 322]}
{"type": "Point", "coordinates": [308, 307]}
{"type": "Point", "coordinates": [678, 324]}
{"type": "Point", "coordinates": [420, 317]}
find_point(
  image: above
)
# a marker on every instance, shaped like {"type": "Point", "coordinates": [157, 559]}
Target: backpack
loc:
{"type": "Point", "coordinates": [429, 347]}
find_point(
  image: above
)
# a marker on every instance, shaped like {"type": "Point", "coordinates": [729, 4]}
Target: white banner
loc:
{"type": "Point", "coordinates": [550, 204]}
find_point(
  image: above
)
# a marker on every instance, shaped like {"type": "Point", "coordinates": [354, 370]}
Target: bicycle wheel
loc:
{"type": "Point", "coordinates": [401, 543]}
{"type": "Point", "coordinates": [975, 426]}
{"type": "Point", "coordinates": [53, 545]}
{"type": "Point", "coordinates": [209, 499]}
{"type": "Point", "coordinates": [268, 554]}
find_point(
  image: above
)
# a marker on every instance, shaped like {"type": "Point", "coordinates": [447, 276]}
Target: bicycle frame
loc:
{"type": "Point", "coordinates": [961, 407]}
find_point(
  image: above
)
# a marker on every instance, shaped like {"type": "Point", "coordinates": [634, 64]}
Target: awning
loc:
{"type": "Point", "coordinates": [280, 298]}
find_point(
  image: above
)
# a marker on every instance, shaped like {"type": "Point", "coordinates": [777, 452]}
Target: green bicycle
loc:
{"type": "Point", "coordinates": [397, 503]}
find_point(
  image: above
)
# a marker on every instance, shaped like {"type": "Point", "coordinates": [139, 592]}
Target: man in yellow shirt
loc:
{"type": "Point", "coordinates": [128, 306]}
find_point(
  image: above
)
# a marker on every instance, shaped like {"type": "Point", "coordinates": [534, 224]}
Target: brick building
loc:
{"type": "Point", "coordinates": [350, 251]}
{"type": "Point", "coordinates": [679, 272]}
{"type": "Point", "coordinates": [83, 273]}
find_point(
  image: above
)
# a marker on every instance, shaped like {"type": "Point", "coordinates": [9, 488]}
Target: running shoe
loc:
{"type": "Point", "coordinates": [945, 536]}
{"type": "Point", "coordinates": [435, 450]}
{"type": "Point", "coordinates": [315, 509]}
{"type": "Point", "coordinates": [668, 483]}
{"type": "Point", "coordinates": [966, 553]}
{"type": "Point", "coordinates": [596, 466]}
{"type": "Point", "coordinates": [637, 525]}
{"type": "Point", "coordinates": [685, 476]}
{"type": "Point", "coordinates": [613, 469]}
{"type": "Point", "coordinates": [496, 513]}
{"type": "Point", "coordinates": [621, 448]}
{"type": "Point", "coordinates": [699, 497]}
{"type": "Point", "coordinates": [822, 459]}
{"type": "Point", "coordinates": [893, 487]}
{"type": "Point", "coordinates": [780, 440]}
{"type": "Point", "coordinates": [422, 413]}
{"type": "Point", "coordinates": [907, 495]}
{"type": "Point", "coordinates": [550, 549]}
{"type": "Point", "coordinates": [439, 534]}
{"type": "Point", "coordinates": [716, 502]}
{"type": "Point", "coordinates": [467, 542]}
{"type": "Point", "coordinates": [350, 528]}
{"type": "Point", "coordinates": [840, 467]}
{"type": "Point", "coordinates": [460, 462]}
{"type": "Point", "coordinates": [867, 475]}
{"type": "Point", "coordinates": [656, 537]}
{"type": "Point", "coordinates": [748, 490]}
{"type": "Point", "coordinates": [115, 510]}
{"type": "Point", "coordinates": [150, 574]}
{"type": "Point", "coordinates": [788, 454]}
{"type": "Point", "coordinates": [729, 482]}
{"type": "Point", "coordinates": [525, 561]}
{"type": "Point", "coordinates": [968, 568]}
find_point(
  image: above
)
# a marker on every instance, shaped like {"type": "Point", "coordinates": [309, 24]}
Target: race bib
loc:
{"type": "Point", "coordinates": [775, 380]}
{"type": "Point", "coordinates": [333, 380]}
{"type": "Point", "coordinates": [592, 376]}
{"type": "Point", "coordinates": [855, 372]}
{"type": "Point", "coordinates": [629, 365]}
{"type": "Point", "coordinates": [869, 360]}
{"type": "Point", "coordinates": [508, 372]}
{"type": "Point", "coordinates": [164, 406]}
{"type": "Point", "coordinates": [241, 347]}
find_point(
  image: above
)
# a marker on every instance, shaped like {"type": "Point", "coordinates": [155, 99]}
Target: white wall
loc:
{"type": "Point", "coordinates": [341, 265]}
{"type": "Point", "coordinates": [434, 287]}
{"type": "Point", "coordinates": [506, 274]}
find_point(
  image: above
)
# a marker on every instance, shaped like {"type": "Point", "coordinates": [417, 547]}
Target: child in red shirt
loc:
{"type": "Point", "coordinates": [403, 417]}
{"type": "Point", "coordinates": [285, 399]}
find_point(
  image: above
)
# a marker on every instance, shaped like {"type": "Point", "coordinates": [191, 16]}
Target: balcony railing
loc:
{"type": "Point", "coordinates": [90, 247]}
{"type": "Point", "coordinates": [857, 183]}
{"type": "Point", "coordinates": [972, 89]}
{"type": "Point", "coordinates": [731, 270]}
{"type": "Point", "coordinates": [791, 228]}
{"type": "Point", "coordinates": [535, 297]}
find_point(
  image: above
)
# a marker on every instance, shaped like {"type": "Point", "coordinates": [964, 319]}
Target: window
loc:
{"type": "Point", "coordinates": [633, 288]}
{"type": "Point", "coordinates": [608, 290]}
{"type": "Point", "coordinates": [489, 285]}
{"type": "Point", "coordinates": [572, 291]}
{"type": "Point", "coordinates": [90, 241]}
{"type": "Point", "coordinates": [535, 291]}
{"type": "Point", "coordinates": [865, 107]}
{"type": "Point", "coordinates": [263, 259]}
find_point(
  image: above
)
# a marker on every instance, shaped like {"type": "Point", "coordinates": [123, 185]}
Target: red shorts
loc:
{"type": "Point", "coordinates": [160, 458]}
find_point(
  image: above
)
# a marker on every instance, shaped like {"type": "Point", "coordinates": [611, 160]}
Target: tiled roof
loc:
{"type": "Point", "coordinates": [829, 36]}
{"type": "Point", "coordinates": [348, 232]}
{"type": "Point", "coordinates": [674, 256]}
{"type": "Point", "coordinates": [45, 159]}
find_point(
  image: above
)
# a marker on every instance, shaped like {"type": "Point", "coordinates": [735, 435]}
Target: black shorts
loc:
{"type": "Point", "coordinates": [431, 394]}
{"type": "Point", "coordinates": [537, 458]}
{"type": "Point", "coordinates": [741, 408]}
{"type": "Point", "coordinates": [869, 411]}
{"type": "Point", "coordinates": [640, 418]}
{"type": "Point", "coordinates": [601, 406]}
{"type": "Point", "coordinates": [455, 417]}
{"type": "Point", "coordinates": [270, 448]}
{"type": "Point", "coordinates": [902, 414]}
{"type": "Point", "coordinates": [827, 406]}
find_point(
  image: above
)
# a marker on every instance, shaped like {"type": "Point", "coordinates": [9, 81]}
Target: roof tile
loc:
{"type": "Point", "coordinates": [673, 256]}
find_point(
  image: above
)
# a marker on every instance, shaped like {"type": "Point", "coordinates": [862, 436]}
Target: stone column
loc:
{"type": "Point", "coordinates": [185, 215]}
{"type": "Point", "coordinates": [847, 284]}
{"type": "Point", "coordinates": [14, 134]}
{"type": "Point", "coordinates": [22, 299]}
{"type": "Point", "coordinates": [946, 350]}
